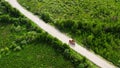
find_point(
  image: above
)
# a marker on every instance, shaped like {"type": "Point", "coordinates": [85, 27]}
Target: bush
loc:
{"type": "Point", "coordinates": [49, 39]}
{"type": "Point", "coordinates": [57, 45]}
{"type": "Point", "coordinates": [12, 11]}
{"type": "Point", "coordinates": [67, 53]}
{"type": "Point", "coordinates": [24, 42]}
{"type": "Point", "coordinates": [18, 28]}
{"type": "Point", "coordinates": [65, 46]}
{"type": "Point", "coordinates": [81, 65]}
{"type": "Point", "coordinates": [46, 17]}
{"type": "Point", "coordinates": [4, 51]}
{"type": "Point", "coordinates": [67, 25]}
{"type": "Point", "coordinates": [13, 45]}
{"type": "Point", "coordinates": [18, 48]}
{"type": "Point", "coordinates": [30, 36]}
{"type": "Point", "coordinates": [5, 18]}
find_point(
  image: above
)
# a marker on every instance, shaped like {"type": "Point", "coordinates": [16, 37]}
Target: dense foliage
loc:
{"type": "Point", "coordinates": [94, 23]}
{"type": "Point", "coordinates": [19, 37]}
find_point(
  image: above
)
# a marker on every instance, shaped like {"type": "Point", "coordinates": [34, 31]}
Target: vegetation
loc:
{"type": "Point", "coordinates": [24, 44]}
{"type": "Point", "coordinates": [33, 56]}
{"type": "Point", "coordinates": [94, 23]}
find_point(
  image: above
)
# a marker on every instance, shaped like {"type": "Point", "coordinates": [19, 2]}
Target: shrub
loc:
{"type": "Point", "coordinates": [46, 17]}
{"type": "Point", "coordinates": [49, 39]}
{"type": "Point", "coordinates": [67, 53]}
{"type": "Point", "coordinates": [30, 36]}
{"type": "Point", "coordinates": [13, 45]}
{"type": "Point", "coordinates": [57, 45]}
{"type": "Point", "coordinates": [68, 24]}
{"type": "Point", "coordinates": [18, 48]}
{"type": "Point", "coordinates": [4, 51]}
{"type": "Point", "coordinates": [5, 18]}
{"type": "Point", "coordinates": [65, 46]}
{"type": "Point", "coordinates": [18, 28]}
{"type": "Point", "coordinates": [24, 42]}
{"type": "Point", "coordinates": [12, 11]}
{"type": "Point", "coordinates": [81, 65]}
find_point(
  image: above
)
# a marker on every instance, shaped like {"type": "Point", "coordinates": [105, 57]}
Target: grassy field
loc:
{"type": "Point", "coordinates": [35, 55]}
{"type": "Point", "coordinates": [24, 45]}
{"type": "Point", "coordinates": [94, 23]}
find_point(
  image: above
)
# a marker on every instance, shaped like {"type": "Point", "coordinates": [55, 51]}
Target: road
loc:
{"type": "Point", "coordinates": [54, 32]}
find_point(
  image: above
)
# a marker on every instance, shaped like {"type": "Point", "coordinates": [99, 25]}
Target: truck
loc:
{"type": "Point", "coordinates": [72, 42]}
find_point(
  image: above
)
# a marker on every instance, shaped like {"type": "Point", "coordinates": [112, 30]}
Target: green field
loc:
{"type": "Point", "coordinates": [24, 45]}
{"type": "Point", "coordinates": [94, 23]}
{"type": "Point", "coordinates": [35, 55]}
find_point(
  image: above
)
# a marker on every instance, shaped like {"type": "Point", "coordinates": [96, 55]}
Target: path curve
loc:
{"type": "Point", "coordinates": [54, 32]}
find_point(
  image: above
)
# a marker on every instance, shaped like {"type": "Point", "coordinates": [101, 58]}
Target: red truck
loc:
{"type": "Point", "coordinates": [72, 42]}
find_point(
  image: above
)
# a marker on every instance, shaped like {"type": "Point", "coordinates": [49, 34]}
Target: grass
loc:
{"type": "Point", "coordinates": [35, 55]}
{"type": "Point", "coordinates": [97, 22]}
